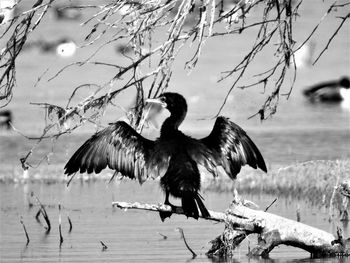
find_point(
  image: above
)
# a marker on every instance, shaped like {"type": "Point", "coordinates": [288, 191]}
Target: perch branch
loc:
{"type": "Point", "coordinates": [273, 230]}
{"type": "Point", "coordinates": [215, 216]}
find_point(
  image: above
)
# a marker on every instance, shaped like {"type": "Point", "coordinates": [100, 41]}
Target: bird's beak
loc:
{"type": "Point", "coordinates": [157, 101]}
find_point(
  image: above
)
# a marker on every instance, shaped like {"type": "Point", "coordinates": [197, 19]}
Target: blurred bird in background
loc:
{"type": "Point", "coordinates": [329, 91]}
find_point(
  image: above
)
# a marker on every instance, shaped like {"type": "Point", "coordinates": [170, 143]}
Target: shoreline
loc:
{"type": "Point", "coordinates": [312, 180]}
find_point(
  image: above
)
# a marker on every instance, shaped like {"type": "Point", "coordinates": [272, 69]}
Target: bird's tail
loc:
{"type": "Point", "coordinates": [202, 208]}
{"type": "Point", "coordinates": [191, 202]}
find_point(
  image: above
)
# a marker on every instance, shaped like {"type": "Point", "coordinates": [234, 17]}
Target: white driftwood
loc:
{"type": "Point", "coordinates": [273, 230]}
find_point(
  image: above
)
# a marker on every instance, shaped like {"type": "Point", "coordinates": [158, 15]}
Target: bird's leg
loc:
{"type": "Point", "coordinates": [164, 215]}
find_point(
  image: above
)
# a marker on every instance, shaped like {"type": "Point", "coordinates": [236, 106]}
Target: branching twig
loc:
{"type": "Point", "coordinates": [46, 217]}
{"type": "Point", "coordinates": [332, 37]}
{"type": "Point", "coordinates": [14, 46]}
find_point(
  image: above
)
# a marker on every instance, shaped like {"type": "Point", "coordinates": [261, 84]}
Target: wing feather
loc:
{"type": "Point", "coordinates": [231, 148]}
{"type": "Point", "coordinates": [119, 147]}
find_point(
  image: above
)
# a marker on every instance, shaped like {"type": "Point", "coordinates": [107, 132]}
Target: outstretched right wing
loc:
{"type": "Point", "coordinates": [119, 146]}
{"type": "Point", "coordinates": [232, 148]}
{"type": "Point", "coordinates": [227, 146]}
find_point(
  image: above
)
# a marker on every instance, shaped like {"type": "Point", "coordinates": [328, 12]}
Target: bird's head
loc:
{"type": "Point", "coordinates": [173, 102]}
{"type": "Point", "coordinates": [176, 105]}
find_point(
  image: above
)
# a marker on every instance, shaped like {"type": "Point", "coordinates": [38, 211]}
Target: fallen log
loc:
{"type": "Point", "coordinates": [273, 230]}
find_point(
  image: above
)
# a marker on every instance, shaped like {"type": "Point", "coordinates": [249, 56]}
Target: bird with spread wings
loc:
{"type": "Point", "coordinates": [174, 156]}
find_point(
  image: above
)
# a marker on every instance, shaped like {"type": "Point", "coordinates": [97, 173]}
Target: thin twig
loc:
{"type": "Point", "coordinates": [37, 215]}
{"type": "Point", "coordinates": [298, 214]}
{"type": "Point", "coordinates": [25, 231]}
{"type": "Point", "coordinates": [104, 247]}
{"type": "Point", "coordinates": [194, 255]}
{"type": "Point", "coordinates": [70, 225]}
{"type": "Point", "coordinates": [332, 37]}
{"type": "Point", "coordinates": [163, 236]}
{"type": "Point", "coordinates": [59, 224]}
{"type": "Point", "coordinates": [267, 208]}
{"type": "Point", "coordinates": [45, 215]}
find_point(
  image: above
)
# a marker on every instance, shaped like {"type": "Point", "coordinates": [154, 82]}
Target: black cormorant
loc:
{"type": "Point", "coordinates": [174, 156]}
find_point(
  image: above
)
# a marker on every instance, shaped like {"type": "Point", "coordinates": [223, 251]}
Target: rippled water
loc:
{"type": "Point", "coordinates": [299, 132]}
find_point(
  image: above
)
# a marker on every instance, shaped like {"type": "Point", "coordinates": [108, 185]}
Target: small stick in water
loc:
{"type": "Point", "coordinates": [25, 231]}
{"type": "Point", "coordinates": [70, 225]}
{"type": "Point", "coordinates": [267, 208]}
{"type": "Point", "coordinates": [104, 247]}
{"type": "Point", "coordinates": [298, 214]}
{"type": "Point", "coordinates": [37, 215]}
{"type": "Point", "coordinates": [59, 224]}
{"type": "Point", "coordinates": [46, 217]}
{"type": "Point", "coordinates": [30, 204]}
{"type": "Point", "coordinates": [163, 236]}
{"type": "Point", "coordinates": [194, 255]}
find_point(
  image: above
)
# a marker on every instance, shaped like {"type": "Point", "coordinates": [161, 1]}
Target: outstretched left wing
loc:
{"type": "Point", "coordinates": [119, 147]}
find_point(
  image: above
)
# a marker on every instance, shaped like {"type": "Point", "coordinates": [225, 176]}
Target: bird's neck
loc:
{"type": "Point", "coordinates": [172, 123]}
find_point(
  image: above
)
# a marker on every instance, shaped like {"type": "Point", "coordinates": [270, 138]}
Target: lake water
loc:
{"type": "Point", "coordinates": [131, 236]}
{"type": "Point", "coordinates": [299, 132]}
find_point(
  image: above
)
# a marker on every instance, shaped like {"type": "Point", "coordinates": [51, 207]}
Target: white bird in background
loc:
{"type": "Point", "coordinates": [303, 56]}
{"type": "Point", "coordinates": [66, 49]}
{"type": "Point", "coordinates": [330, 91]}
{"type": "Point", "coordinates": [63, 47]}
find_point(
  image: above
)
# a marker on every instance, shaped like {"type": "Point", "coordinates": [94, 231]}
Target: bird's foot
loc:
{"type": "Point", "coordinates": [163, 215]}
